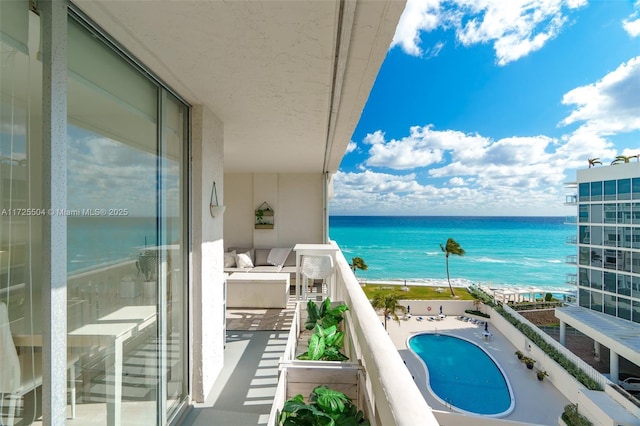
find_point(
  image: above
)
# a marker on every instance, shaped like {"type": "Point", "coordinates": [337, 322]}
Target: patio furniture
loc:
{"type": "Point", "coordinates": [316, 268]}
{"type": "Point", "coordinates": [258, 290]}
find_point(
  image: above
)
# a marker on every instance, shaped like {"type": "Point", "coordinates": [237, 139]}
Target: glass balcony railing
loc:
{"type": "Point", "coordinates": [571, 220]}
{"type": "Point", "coordinates": [571, 200]}
{"type": "Point", "coordinates": [571, 239]}
{"type": "Point", "coordinates": [571, 259]}
{"type": "Point", "coordinates": [571, 279]}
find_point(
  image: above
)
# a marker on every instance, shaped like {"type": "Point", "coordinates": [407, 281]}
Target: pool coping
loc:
{"type": "Point", "coordinates": [505, 413]}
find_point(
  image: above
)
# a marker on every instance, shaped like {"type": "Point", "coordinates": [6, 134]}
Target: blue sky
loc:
{"type": "Point", "coordinates": [487, 107]}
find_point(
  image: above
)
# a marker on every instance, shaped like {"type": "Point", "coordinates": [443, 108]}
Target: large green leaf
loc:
{"type": "Point", "coordinates": [336, 339]}
{"type": "Point", "coordinates": [331, 353]}
{"type": "Point", "coordinates": [313, 315]}
{"type": "Point", "coordinates": [329, 400]}
{"type": "Point", "coordinates": [316, 347]}
{"type": "Point", "coordinates": [326, 307]}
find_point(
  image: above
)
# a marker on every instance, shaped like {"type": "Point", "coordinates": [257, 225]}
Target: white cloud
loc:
{"type": "Point", "coordinates": [456, 181]}
{"type": "Point", "coordinates": [515, 27]}
{"type": "Point", "coordinates": [609, 105]}
{"type": "Point", "coordinates": [632, 27]}
{"type": "Point", "coordinates": [423, 147]}
{"type": "Point", "coordinates": [632, 24]}
{"type": "Point", "coordinates": [351, 147]}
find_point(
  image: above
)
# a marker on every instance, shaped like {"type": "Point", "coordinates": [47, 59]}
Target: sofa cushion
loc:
{"type": "Point", "coordinates": [261, 258]}
{"type": "Point", "coordinates": [243, 260]}
{"type": "Point", "coordinates": [251, 251]}
{"type": "Point", "coordinates": [291, 259]}
{"type": "Point", "coordinates": [230, 259]}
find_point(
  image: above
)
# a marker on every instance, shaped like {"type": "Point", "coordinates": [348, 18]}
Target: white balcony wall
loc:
{"type": "Point", "coordinates": [206, 295]}
{"type": "Point", "coordinates": [390, 389]}
{"type": "Point", "coordinates": [296, 199]}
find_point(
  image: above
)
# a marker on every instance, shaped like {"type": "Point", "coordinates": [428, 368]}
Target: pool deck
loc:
{"type": "Point", "coordinates": [536, 402]}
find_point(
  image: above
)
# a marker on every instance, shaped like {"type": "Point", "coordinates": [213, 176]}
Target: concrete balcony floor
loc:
{"type": "Point", "coordinates": [243, 393]}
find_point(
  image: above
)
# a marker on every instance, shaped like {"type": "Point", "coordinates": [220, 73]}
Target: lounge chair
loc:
{"type": "Point", "coordinates": [419, 318]}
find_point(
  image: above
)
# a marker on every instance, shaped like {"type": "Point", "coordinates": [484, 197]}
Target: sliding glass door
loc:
{"type": "Point", "coordinates": [126, 210]}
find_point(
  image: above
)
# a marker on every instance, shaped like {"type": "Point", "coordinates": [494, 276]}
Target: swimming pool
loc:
{"type": "Point", "coordinates": [463, 375]}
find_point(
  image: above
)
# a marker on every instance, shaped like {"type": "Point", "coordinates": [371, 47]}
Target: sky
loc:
{"type": "Point", "coordinates": [488, 108]}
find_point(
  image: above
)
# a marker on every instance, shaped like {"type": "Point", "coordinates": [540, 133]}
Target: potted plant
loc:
{"type": "Point", "coordinates": [326, 343]}
{"type": "Point", "coordinates": [541, 374]}
{"type": "Point", "coordinates": [519, 354]}
{"type": "Point", "coordinates": [326, 407]}
{"type": "Point", "coordinates": [528, 362]}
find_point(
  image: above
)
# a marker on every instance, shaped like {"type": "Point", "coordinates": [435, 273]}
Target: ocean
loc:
{"type": "Point", "coordinates": [500, 251]}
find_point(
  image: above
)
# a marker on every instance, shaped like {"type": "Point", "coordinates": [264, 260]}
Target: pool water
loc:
{"type": "Point", "coordinates": [463, 375]}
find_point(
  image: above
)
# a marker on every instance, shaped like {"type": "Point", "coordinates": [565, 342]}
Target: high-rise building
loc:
{"type": "Point", "coordinates": [608, 261]}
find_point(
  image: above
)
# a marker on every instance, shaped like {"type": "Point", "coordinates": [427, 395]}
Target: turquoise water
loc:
{"type": "Point", "coordinates": [462, 374]}
{"type": "Point", "coordinates": [95, 241]}
{"type": "Point", "coordinates": [500, 251]}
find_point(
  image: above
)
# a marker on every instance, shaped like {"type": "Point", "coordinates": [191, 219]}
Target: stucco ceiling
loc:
{"type": "Point", "coordinates": [288, 89]}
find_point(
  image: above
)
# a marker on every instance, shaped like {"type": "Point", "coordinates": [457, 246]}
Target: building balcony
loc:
{"type": "Point", "coordinates": [571, 200]}
{"type": "Point", "coordinates": [571, 279]}
{"type": "Point", "coordinates": [571, 220]}
{"type": "Point", "coordinates": [571, 259]}
{"type": "Point", "coordinates": [571, 239]}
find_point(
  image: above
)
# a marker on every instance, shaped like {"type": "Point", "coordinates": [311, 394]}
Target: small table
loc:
{"type": "Point", "coordinates": [486, 335]}
{"type": "Point", "coordinates": [257, 290]}
{"type": "Point", "coordinates": [112, 336]}
{"type": "Point", "coordinates": [142, 315]}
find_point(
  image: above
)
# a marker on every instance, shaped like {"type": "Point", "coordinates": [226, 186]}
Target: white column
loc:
{"type": "Point", "coordinates": [596, 350]}
{"type": "Point", "coordinates": [206, 279]}
{"type": "Point", "coordinates": [563, 333]}
{"type": "Point", "coordinates": [614, 370]}
{"type": "Point", "coordinates": [53, 16]}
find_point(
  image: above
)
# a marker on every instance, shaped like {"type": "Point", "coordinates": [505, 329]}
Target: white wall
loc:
{"type": "Point", "coordinates": [206, 280]}
{"type": "Point", "coordinates": [295, 198]}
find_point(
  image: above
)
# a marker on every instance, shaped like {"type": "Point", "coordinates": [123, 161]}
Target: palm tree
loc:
{"type": "Point", "coordinates": [594, 161]}
{"type": "Point", "coordinates": [388, 303]}
{"type": "Point", "coordinates": [622, 159]}
{"type": "Point", "coordinates": [358, 263]}
{"type": "Point", "coordinates": [452, 247]}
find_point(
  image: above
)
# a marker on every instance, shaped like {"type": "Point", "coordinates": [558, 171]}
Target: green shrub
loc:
{"type": "Point", "coordinates": [478, 313]}
{"type": "Point", "coordinates": [572, 417]}
{"type": "Point", "coordinates": [552, 352]}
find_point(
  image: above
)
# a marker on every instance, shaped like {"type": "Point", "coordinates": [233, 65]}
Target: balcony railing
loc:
{"type": "Point", "coordinates": [571, 239]}
{"type": "Point", "coordinates": [389, 387]}
{"type": "Point", "coordinates": [571, 259]}
{"type": "Point", "coordinates": [571, 279]}
{"type": "Point", "coordinates": [388, 392]}
{"type": "Point", "coordinates": [571, 200]}
{"type": "Point", "coordinates": [571, 220]}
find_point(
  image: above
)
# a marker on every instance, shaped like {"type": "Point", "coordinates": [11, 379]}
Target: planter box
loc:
{"type": "Point", "coordinates": [298, 340]}
{"type": "Point", "coordinates": [304, 376]}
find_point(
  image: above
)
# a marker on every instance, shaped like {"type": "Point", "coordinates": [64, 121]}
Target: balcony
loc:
{"type": "Point", "coordinates": [571, 220]}
{"type": "Point", "coordinates": [571, 200]}
{"type": "Point", "coordinates": [571, 259]}
{"type": "Point", "coordinates": [388, 393]}
{"type": "Point", "coordinates": [571, 239]}
{"type": "Point", "coordinates": [571, 279]}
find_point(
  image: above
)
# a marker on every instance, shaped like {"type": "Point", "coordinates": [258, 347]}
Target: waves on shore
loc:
{"type": "Point", "coordinates": [464, 283]}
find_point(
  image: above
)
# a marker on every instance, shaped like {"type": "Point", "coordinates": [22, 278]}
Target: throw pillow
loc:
{"type": "Point", "coordinates": [230, 259]}
{"type": "Point", "coordinates": [243, 260]}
